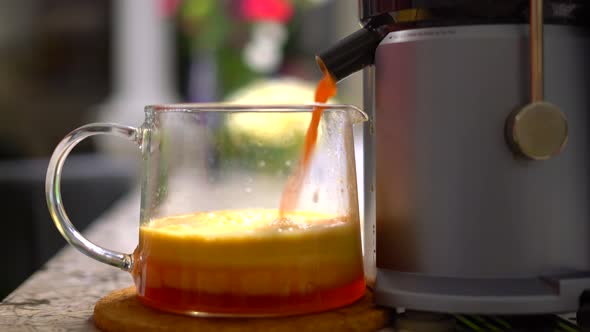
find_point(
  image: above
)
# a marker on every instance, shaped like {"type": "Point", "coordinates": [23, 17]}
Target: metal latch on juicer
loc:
{"type": "Point", "coordinates": [539, 130]}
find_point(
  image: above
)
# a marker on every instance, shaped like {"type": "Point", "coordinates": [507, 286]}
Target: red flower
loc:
{"type": "Point", "coordinates": [266, 10]}
{"type": "Point", "coordinates": [169, 7]}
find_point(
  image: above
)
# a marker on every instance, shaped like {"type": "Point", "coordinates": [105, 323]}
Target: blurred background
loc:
{"type": "Point", "coordinates": [65, 63]}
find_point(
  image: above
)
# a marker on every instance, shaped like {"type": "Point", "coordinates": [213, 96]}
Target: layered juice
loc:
{"type": "Point", "coordinates": [249, 262]}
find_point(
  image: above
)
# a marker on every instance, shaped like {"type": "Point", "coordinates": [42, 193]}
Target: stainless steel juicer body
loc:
{"type": "Point", "coordinates": [477, 183]}
{"type": "Point", "coordinates": [455, 220]}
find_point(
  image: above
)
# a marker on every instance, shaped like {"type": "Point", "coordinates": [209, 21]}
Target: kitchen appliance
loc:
{"type": "Point", "coordinates": [474, 203]}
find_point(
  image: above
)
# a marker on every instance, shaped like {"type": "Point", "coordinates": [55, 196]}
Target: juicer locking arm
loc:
{"type": "Point", "coordinates": [539, 130]}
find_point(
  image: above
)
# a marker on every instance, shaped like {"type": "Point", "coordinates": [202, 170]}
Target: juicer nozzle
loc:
{"type": "Point", "coordinates": [356, 51]}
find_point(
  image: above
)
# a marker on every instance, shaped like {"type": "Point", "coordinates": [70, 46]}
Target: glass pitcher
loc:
{"type": "Point", "coordinates": [212, 240]}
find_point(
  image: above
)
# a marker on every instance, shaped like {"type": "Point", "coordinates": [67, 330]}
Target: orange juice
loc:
{"type": "Point", "coordinates": [325, 90]}
{"type": "Point", "coordinates": [249, 262]}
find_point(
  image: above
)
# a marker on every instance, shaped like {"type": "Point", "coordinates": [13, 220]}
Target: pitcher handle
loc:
{"type": "Point", "coordinates": [53, 191]}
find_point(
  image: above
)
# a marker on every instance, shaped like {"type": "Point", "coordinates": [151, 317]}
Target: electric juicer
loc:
{"type": "Point", "coordinates": [476, 200]}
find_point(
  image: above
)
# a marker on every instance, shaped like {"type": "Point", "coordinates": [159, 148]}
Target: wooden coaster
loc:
{"type": "Point", "coordinates": [121, 311]}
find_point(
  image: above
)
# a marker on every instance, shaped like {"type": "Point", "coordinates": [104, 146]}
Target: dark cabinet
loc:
{"type": "Point", "coordinates": [90, 185]}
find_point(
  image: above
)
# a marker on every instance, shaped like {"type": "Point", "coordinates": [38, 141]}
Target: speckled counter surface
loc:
{"type": "Point", "coordinates": [61, 296]}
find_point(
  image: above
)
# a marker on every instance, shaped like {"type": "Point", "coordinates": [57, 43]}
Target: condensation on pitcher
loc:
{"type": "Point", "coordinates": [316, 196]}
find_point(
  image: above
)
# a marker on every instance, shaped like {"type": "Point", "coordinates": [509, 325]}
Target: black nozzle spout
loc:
{"type": "Point", "coordinates": [356, 51]}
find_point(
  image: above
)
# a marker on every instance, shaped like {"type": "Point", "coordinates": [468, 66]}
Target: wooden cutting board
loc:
{"type": "Point", "coordinates": [121, 311]}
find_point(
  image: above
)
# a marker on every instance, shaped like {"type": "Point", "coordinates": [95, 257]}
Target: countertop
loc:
{"type": "Point", "coordinates": [61, 295]}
